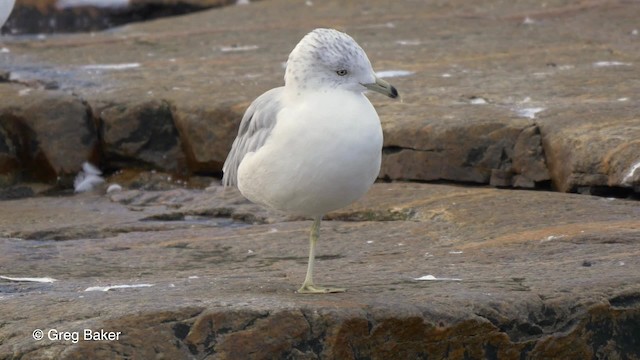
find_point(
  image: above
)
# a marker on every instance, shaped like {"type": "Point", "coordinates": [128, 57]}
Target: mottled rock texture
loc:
{"type": "Point", "coordinates": [524, 275]}
{"type": "Point", "coordinates": [521, 94]}
{"type": "Point", "coordinates": [529, 95]}
{"type": "Point", "coordinates": [51, 16]}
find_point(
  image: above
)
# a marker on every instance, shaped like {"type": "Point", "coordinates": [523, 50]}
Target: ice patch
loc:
{"type": "Point", "coordinates": [238, 48]}
{"type": "Point", "coordinates": [478, 101]}
{"type": "Point", "coordinates": [610, 63]}
{"type": "Point", "coordinates": [553, 237]}
{"type": "Point", "coordinates": [433, 278]}
{"type": "Point", "coordinates": [408, 42]}
{"type": "Point", "coordinates": [393, 73]}
{"type": "Point", "coordinates": [529, 113]}
{"type": "Point", "coordinates": [124, 66]}
{"type": "Point", "coordinates": [29, 279]}
{"type": "Point", "coordinates": [107, 288]}
{"type": "Point", "coordinates": [65, 4]}
{"type": "Point", "coordinates": [87, 178]}
{"type": "Point", "coordinates": [114, 188]}
{"type": "Point", "coordinates": [630, 173]}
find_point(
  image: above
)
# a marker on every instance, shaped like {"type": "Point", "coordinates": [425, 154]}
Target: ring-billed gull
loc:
{"type": "Point", "coordinates": [313, 145]}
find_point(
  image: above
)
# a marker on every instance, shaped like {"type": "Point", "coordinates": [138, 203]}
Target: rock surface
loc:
{"type": "Point", "coordinates": [49, 16]}
{"type": "Point", "coordinates": [522, 275]}
{"type": "Point", "coordinates": [510, 94]}
{"type": "Point", "coordinates": [527, 95]}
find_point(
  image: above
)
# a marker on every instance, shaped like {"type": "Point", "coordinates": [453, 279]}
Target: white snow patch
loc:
{"type": "Point", "coordinates": [623, 99]}
{"type": "Point", "coordinates": [87, 178]}
{"type": "Point", "coordinates": [529, 112]}
{"type": "Point", "coordinates": [29, 279]}
{"type": "Point", "coordinates": [243, 2]}
{"type": "Point", "coordinates": [565, 67]}
{"type": "Point", "coordinates": [393, 73]}
{"type": "Point", "coordinates": [107, 288]}
{"type": "Point", "coordinates": [65, 4]}
{"type": "Point", "coordinates": [634, 32]}
{"type": "Point", "coordinates": [369, 241]}
{"type": "Point", "coordinates": [388, 25]}
{"type": "Point", "coordinates": [455, 252]}
{"type": "Point", "coordinates": [408, 42]}
{"type": "Point", "coordinates": [194, 277]}
{"type": "Point", "coordinates": [4, 50]}
{"type": "Point", "coordinates": [433, 278]}
{"type": "Point", "coordinates": [24, 92]}
{"type": "Point", "coordinates": [630, 173]}
{"type": "Point", "coordinates": [610, 63]}
{"type": "Point", "coordinates": [446, 75]}
{"type": "Point", "coordinates": [478, 101]}
{"type": "Point", "coordinates": [238, 48]}
{"type": "Point", "coordinates": [114, 188]}
{"type": "Point", "coordinates": [123, 66]}
{"type": "Point", "coordinates": [553, 237]}
{"type": "Point", "coordinates": [528, 21]}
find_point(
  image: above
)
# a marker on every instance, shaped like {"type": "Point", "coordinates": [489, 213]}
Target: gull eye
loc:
{"type": "Point", "coordinates": [341, 72]}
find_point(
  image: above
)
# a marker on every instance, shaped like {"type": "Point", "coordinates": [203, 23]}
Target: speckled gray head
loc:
{"type": "Point", "coordinates": [328, 59]}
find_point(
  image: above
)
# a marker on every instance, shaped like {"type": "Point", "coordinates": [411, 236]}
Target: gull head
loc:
{"type": "Point", "coordinates": [327, 59]}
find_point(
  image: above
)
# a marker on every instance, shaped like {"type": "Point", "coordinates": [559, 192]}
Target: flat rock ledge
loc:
{"type": "Point", "coordinates": [433, 271]}
{"type": "Point", "coordinates": [526, 95]}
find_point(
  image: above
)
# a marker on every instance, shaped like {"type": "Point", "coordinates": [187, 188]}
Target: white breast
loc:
{"type": "Point", "coordinates": [322, 155]}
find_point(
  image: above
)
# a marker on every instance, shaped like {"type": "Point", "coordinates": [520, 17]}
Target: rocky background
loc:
{"type": "Point", "coordinates": [495, 95]}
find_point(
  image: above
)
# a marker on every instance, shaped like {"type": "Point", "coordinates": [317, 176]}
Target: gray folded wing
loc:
{"type": "Point", "coordinates": [255, 127]}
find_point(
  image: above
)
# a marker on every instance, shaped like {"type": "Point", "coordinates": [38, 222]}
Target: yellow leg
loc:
{"type": "Point", "coordinates": [308, 287]}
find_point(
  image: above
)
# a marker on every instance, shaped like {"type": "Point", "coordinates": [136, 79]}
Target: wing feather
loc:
{"type": "Point", "coordinates": [255, 127]}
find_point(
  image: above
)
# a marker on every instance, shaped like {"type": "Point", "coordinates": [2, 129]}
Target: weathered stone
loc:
{"type": "Point", "coordinates": [141, 135]}
{"type": "Point", "coordinates": [44, 135]}
{"type": "Point", "coordinates": [46, 16]}
{"type": "Point", "coordinates": [207, 145]}
{"type": "Point", "coordinates": [531, 94]}
{"type": "Point", "coordinates": [596, 151]}
{"type": "Point", "coordinates": [541, 275]}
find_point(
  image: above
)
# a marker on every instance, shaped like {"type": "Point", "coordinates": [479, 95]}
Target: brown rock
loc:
{"type": "Point", "coordinates": [500, 93]}
{"type": "Point", "coordinates": [45, 135]}
{"type": "Point", "coordinates": [540, 275]}
{"type": "Point", "coordinates": [597, 151]}
{"type": "Point", "coordinates": [142, 135]}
